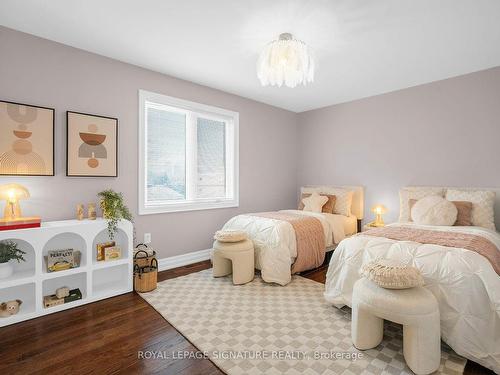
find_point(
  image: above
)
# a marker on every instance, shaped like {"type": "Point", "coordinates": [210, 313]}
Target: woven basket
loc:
{"type": "Point", "coordinates": [143, 256]}
{"type": "Point", "coordinates": [146, 278]}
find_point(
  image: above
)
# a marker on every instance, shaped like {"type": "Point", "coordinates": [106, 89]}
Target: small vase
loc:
{"type": "Point", "coordinates": [6, 270]}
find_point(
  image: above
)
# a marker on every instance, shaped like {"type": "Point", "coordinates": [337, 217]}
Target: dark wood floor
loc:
{"type": "Point", "coordinates": [105, 337]}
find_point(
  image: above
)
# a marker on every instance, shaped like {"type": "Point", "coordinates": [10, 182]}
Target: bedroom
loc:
{"type": "Point", "coordinates": [404, 94]}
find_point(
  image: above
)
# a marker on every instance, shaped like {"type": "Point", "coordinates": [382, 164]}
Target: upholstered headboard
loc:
{"type": "Point", "coordinates": [497, 197]}
{"type": "Point", "coordinates": [358, 198]}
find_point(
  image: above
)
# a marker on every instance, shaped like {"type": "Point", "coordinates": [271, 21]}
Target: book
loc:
{"type": "Point", "coordinates": [74, 295]}
{"type": "Point", "coordinates": [59, 260]}
{"type": "Point", "coordinates": [20, 223]}
{"type": "Point", "coordinates": [51, 301]}
{"type": "Point", "coordinates": [112, 253]}
{"type": "Point", "coordinates": [101, 249]}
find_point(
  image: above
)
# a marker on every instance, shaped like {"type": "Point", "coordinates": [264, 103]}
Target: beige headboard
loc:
{"type": "Point", "coordinates": [358, 198]}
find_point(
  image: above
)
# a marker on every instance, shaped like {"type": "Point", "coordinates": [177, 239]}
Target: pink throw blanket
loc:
{"type": "Point", "coordinates": [311, 241]}
{"type": "Point", "coordinates": [467, 241]}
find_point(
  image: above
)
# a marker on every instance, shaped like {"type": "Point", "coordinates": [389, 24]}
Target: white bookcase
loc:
{"type": "Point", "coordinates": [96, 280]}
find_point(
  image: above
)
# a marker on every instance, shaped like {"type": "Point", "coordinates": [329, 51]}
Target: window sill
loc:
{"type": "Point", "coordinates": [182, 207]}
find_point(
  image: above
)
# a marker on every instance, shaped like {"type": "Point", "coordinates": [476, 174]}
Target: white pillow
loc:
{"type": "Point", "coordinates": [343, 197]}
{"type": "Point", "coordinates": [315, 202]}
{"type": "Point", "coordinates": [434, 210]}
{"type": "Point", "coordinates": [414, 192]}
{"type": "Point", "coordinates": [391, 274]}
{"type": "Point", "coordinates": [483, 202]}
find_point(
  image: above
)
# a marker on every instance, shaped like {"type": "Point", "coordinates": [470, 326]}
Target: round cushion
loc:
{"type": "Point", "coordinates": [392, 274]}
{"type": "Point", "coordinates": [233, 246]}
{"type": "Point", "coordinates": [411, 302]}
{"type": "Point", "coordinates": [230, 235]}
{"type": "Point", "coordinates": [434, 210]}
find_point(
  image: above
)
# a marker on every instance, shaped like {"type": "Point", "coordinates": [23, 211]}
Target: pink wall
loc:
{"type": "Point", "coordinates": [41, 72]}
{"type": "Point", "coordinates": [445, 133]}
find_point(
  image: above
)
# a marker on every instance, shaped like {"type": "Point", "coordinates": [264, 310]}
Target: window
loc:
{"type": "Point", "coordinates": [188, 155]}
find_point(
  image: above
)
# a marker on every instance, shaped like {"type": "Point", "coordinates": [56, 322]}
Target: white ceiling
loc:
{"type": "Point", "coordinates": [363, 47]}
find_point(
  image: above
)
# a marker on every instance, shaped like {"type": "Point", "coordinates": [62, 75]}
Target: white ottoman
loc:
{"type": "Point", "coordinates": [236, 258]}
{"type": "Point", "coordinates": [415, 308]}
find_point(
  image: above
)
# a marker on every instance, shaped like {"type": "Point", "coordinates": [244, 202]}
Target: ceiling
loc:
{"type": "Point", "coordinates": [362, 47]}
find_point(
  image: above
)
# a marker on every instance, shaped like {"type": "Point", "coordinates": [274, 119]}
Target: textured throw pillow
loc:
{"type": "Point", "coordinates": [464, 216]}
{"type": "Point", "coordinates": [417, 193]}
{"type": "Point", "coordinates": [327, 208]}
{"type": "Point", "coordinates": [315, 202]}
{"type": "Point", "coordinates": [434, 210]}
{"type": "Point", "coordinates": [230, 235]}
{"type": "Point", "coordinates": [483, 201]}
{"type": "Point", "coordinates": [343, 197]}
{"type": "Point", "coordinates": [391, 274]}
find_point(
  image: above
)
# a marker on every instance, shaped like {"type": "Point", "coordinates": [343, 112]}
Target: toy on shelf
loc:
{"type": "Point", "coordinates": [63, 295]}
{"type": "Point", "coordinates": [62, 292]}
{"type": "Point", "coordinates": [10, 308]}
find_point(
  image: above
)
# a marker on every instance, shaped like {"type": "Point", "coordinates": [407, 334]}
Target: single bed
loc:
{"type": "Point", "coordinates": [463, 280]}
{"type": "Point", "coordinates": [275, 240]}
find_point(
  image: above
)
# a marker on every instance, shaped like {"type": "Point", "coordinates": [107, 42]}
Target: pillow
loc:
{"type": "Point", "coordinates": [464, 214]}
{"type": "Point", "coordinates": [483, 201]}
{"type": "Point", "coordinates": [327, 208]}
{"type": "Point", "coordinates": [391, 274]}
{"type": "Point", "coordinates": [315, 202]}
{"type": "Point", "coordinates": [343, 197]}
{"type": "Point", "coordinates": [434, 210]}
{"type": "Point", "coordinates": [414, 192]}
{"type": "Point", "coordinates": [230, 235]}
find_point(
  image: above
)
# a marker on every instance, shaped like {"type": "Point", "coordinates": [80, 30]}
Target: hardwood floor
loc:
{"type": "Point", "coordinates": [106, 337]}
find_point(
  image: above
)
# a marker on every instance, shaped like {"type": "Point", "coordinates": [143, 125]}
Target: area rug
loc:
{"type": "Point", "coordinates": [260, 328]}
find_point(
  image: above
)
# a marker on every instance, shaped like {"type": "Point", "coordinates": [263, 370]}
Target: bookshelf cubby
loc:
{"type": "Point", "coordinates": [30, 281]}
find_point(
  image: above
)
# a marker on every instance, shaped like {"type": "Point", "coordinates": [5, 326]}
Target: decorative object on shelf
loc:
{"type": "Point", "coordinates": [60, 260]}
{"type": "Point", "coordinates": [285, 60]}
{"type": "Point", "coordinates": [9, 251]}
{"type": "Point", "coordinates": [10, 308]}
{"type": "Point", "coordinates": [101, 249]}
{"type": "Point", "coordinates": [92, 145]}
{"type": "Point", "coordinates": [146, 274]}
{"type": "Point", "coordinates": [77, 256]}
{"type": "Point", "coordinates": [378, 210]}
{"type": "Point", "coordinates": [26, 140]}
{"type": "Point", "coordinates": [92, 211]}
{"type": "Point", "coordinates": [13, 219]}
{"type": "Point", "coordinates": [112, 253]}
{"type": "Point", "coordinates": [65, 295]}
{"type": "Point", "coordinates": [80, 211]}
{"type": "Point", "coordinates": [113, 210]}
{"type": "Point", "coordinates": [62, 292]}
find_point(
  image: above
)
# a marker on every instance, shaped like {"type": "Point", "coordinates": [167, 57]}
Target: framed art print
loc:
{"type": "Point", "coordinates": [26, 140]}
{"type": "Point", "coordinates": [92, 145]}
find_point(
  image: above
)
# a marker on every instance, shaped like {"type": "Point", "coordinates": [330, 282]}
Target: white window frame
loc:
{"type": "Point", "coordinates": [232, 155]}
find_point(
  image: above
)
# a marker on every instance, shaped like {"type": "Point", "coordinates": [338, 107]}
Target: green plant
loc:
{"type": "Point", "coordinates": [113, 209]}
{"type": "Point", "coordinates": [9, 250]}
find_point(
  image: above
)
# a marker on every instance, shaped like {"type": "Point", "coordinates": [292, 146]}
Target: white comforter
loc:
{"type": "Point", "coordinates": [275, 244]}
{"type": "Point", "coordinates": [464, 283]}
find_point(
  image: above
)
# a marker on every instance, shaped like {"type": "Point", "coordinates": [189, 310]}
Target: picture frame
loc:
{"type": "Point", "coordinates": [91, 145]}
{"type": "Point", "coordinates": [27, 144]}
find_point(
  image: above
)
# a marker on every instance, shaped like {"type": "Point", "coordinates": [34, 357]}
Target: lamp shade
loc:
{"type": "Point", "coordinates": [379, 209]}
{"type": "Point", "coordinates": [13, 192]}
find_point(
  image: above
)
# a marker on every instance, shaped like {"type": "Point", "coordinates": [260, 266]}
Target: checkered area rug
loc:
{"type": "Point", "coordinates": [261, 328]}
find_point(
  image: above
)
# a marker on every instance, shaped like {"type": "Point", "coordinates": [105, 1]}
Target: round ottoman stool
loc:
{"type": "Point", "coordinates": [415, 308]}
{"type": "Point", "coordinates": [236, 258]}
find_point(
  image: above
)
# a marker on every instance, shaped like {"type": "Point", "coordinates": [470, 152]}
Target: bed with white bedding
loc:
{"type": "Point", "coordinates": [464, 282]}
{"type": "Point", "coordinates": [275, 242]}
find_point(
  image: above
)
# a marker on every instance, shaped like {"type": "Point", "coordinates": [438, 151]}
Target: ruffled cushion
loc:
{"type": "Point", "coordinates": [230, 235]}
{"type": "Point", "coordinates": [391, 274]}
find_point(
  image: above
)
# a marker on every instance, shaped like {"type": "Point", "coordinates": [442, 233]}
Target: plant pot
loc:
{"type": "Point", "coordinates": [6, 270]}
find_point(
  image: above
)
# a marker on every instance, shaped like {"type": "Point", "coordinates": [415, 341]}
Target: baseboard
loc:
{"type": "Point", "coordinates": [183, 259]}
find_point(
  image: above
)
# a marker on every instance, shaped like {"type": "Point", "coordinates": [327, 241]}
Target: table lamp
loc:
{"type": "Point", "coordinates": [378, 210]}
{"type": "Point", "coordinates": [12, 217]}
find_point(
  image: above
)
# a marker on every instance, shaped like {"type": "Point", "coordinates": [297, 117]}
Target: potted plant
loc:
{"type": "Point", "coordinates": [9, 251]}
{"type": "Point", "coordinates": [113, 210]}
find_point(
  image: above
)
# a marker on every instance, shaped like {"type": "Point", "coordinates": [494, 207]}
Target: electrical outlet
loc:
{"type": "Point", "coordinates": [147, 238]}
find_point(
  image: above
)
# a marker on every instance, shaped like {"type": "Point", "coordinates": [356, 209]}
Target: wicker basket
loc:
{"type": "Point", "coordinates": [145, 272]}
{"type": "Point", "coordinates": [143, 256]}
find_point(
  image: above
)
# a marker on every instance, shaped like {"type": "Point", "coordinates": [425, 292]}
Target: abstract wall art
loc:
{"type": "Point", "coordinates": [92, 145]}
{"type": "Point", "coordinates": [26, 140]}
